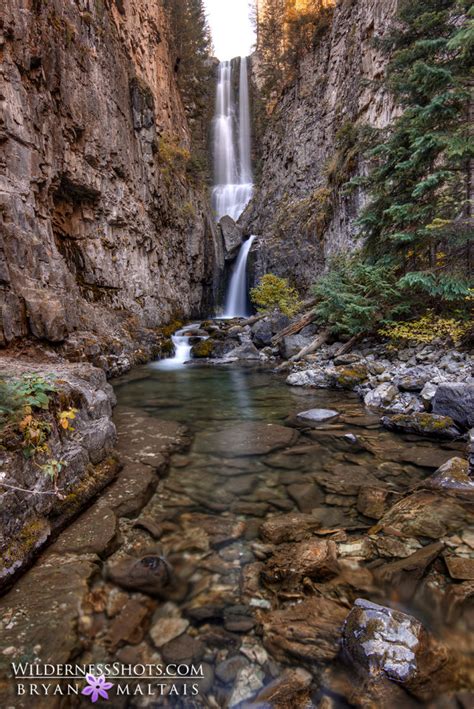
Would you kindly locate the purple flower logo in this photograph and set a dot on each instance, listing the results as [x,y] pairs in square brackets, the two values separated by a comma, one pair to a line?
[97,687]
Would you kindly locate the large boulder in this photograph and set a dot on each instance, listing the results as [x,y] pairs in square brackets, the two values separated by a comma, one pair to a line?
[382,396]
[231,236]
[423,424]
[457,401]
[389,644]
[292,344]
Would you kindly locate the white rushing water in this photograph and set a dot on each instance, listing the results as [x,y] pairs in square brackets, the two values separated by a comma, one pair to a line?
[182,348]
[232,164]
[233,171]
[236,303]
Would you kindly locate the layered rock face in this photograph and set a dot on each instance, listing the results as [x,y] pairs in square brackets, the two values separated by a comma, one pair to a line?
[309,148]
[106,231]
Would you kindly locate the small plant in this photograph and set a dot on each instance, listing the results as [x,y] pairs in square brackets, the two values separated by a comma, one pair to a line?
[275,292]
[65,418]
[35,432]
[426,329]
[18,396]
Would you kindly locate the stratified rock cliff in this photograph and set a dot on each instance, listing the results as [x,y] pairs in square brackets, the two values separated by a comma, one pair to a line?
[309,148]
[105,228]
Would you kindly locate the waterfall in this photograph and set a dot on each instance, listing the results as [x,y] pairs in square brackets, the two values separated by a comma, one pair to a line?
[237,295]
[232,165]
[182,347]
[233,171]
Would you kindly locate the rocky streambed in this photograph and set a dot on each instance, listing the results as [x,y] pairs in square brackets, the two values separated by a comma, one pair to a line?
[298,560]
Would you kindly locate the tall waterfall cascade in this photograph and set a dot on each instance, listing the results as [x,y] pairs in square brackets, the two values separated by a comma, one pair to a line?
[233,171]
[232,164]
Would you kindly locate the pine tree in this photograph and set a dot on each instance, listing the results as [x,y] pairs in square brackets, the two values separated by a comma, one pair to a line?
[420,186]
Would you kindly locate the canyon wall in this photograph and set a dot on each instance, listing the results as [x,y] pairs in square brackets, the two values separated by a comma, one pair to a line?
[106,230]
[309,147]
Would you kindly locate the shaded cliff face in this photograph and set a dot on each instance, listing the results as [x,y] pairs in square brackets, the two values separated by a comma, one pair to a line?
[105,228]
[309,148]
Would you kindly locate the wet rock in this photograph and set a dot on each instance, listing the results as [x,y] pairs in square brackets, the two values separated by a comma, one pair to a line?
[292,527]
[386,642]
[167,629]
[382,396]
[291,689]
[231,235]
[219,530]
[238,620]
[245,439]
[291,563]
[247,683]
[228,670]
[425,514]
[423,424]
[414,564]
[150,574]
[306,495]
[95,532]
[309,630]
[183,649]
[371,501]
[130,625]
[345,479]
[253,509]
[317,416]
[203,348]
[131,490]
[452,476]
[460,568]
[457,401]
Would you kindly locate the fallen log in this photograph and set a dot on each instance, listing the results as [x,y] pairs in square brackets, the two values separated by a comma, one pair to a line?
[314,345]
[293,328]
[347,346]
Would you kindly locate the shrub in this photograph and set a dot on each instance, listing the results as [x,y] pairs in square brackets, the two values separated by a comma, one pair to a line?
[274,292]
[354,296]
[427,329]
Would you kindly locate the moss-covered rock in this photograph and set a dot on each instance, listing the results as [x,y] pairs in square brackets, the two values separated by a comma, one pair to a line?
[424,424]
[170,329]
[349,377]
[204,348]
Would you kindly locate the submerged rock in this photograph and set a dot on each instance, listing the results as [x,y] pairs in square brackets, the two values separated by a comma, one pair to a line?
[290,527]
[423,424]
[150,574]
[290,689]
[315,559]
[245,439]
[309,630]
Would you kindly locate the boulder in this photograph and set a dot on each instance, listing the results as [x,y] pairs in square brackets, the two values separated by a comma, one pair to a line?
[316,416]
[262,333]
[427,394]
[457,401]
[247,350]
[290,345]
[382,396]
[317,378]
[203,348]
[452,476]
[423,424]
[232,237]
[386,643]
[348,376]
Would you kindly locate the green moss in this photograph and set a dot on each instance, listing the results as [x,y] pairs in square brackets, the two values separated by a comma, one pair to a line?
[348,377]
[170,329]
[425,422]
[204,348]
[27,540]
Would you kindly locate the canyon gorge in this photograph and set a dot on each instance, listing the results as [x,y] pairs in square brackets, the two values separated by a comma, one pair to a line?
[217,451]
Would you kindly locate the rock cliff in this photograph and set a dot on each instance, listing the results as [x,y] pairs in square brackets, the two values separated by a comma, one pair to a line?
[309,148]
[105,227]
